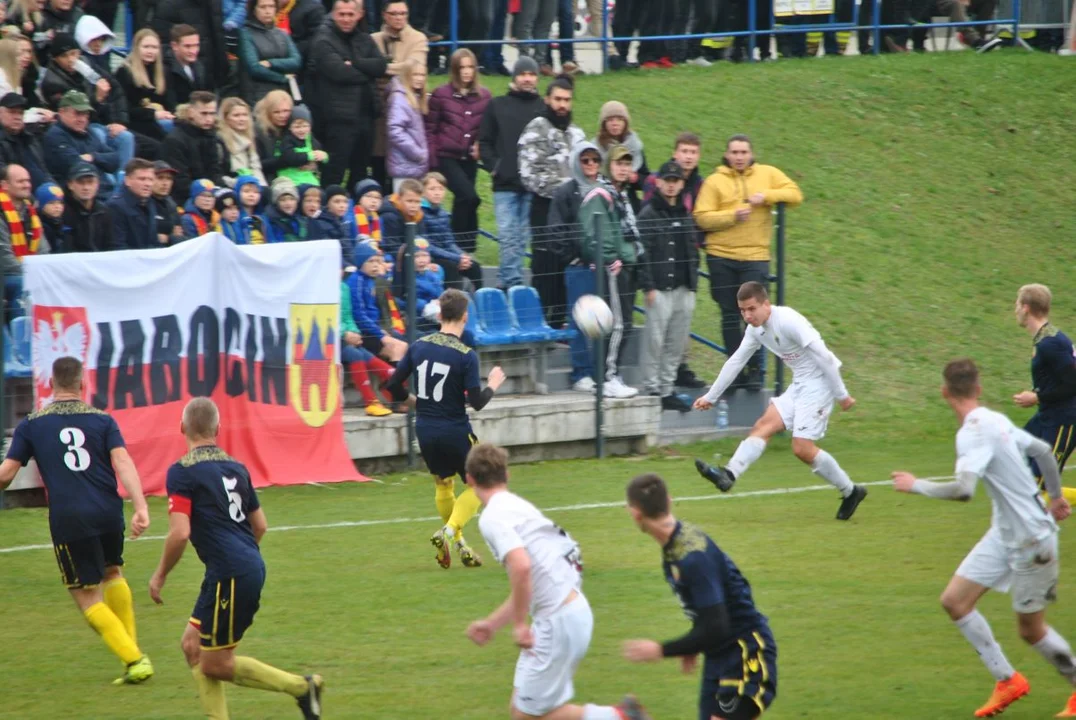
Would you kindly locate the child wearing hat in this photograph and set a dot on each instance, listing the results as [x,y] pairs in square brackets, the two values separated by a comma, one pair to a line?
[300,153]
[251,201]
[337,213]
[365,307]
[199,214]
[50,208]
[228,210]
[429,285]
[367,209]
[358,361]
[284,222]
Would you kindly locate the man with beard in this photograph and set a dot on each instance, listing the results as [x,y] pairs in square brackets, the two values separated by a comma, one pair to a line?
[498,144]
[544,151]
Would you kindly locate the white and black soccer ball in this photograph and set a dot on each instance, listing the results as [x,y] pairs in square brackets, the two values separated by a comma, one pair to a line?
[592,316]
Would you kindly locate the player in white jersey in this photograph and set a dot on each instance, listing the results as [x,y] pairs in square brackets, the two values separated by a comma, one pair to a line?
[545,572]
[1018,554]
[804,408]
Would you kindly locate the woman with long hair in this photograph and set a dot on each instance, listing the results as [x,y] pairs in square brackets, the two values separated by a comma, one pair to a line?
[452,123]
[142,78]
[236,132]
[10,71]
[271,116]
[407,156]
[614,128]
[30,72]
[267,55]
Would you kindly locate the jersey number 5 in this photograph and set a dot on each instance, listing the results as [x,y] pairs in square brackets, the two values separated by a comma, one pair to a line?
[235,500]
[76,458]
[440,372]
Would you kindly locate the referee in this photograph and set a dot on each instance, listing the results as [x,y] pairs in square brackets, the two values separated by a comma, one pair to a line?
[1053,377]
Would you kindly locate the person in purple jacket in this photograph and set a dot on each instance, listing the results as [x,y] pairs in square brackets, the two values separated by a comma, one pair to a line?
[408,154]
[452,123]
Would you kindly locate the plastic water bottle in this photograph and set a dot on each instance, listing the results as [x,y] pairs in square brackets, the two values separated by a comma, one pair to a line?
[722,414]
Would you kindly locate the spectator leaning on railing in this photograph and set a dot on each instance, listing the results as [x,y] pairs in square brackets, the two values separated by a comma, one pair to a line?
[734,207]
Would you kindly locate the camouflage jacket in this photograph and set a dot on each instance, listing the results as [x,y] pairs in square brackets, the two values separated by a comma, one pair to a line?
[544,153]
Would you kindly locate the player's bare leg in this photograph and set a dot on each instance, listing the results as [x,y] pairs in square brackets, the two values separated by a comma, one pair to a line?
[825,466]
[748,451]
[223,665]
[628,709]
[91,601]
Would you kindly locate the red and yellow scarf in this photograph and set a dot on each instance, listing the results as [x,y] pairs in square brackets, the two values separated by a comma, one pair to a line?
[203,224]
[368,225]
[19,245]
[283,17]
[394,313]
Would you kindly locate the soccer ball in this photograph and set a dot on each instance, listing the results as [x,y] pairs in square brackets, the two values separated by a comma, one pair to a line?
[593,316]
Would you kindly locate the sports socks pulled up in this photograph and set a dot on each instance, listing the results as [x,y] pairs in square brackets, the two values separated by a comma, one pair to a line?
[104,621]
[977,631]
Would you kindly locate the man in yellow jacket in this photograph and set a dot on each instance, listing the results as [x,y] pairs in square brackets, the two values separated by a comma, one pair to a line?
[734,210]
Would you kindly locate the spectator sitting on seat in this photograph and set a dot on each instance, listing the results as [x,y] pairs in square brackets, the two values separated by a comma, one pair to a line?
[169,226]
[443,247]
[323,224]
[133,210]
[335,220]
[397,211]
[199,213]
[236,133]
[192,148]
[142,80]
[20,232]
[185,72]
[111,118]
[284,222]
[50,209]
[356,359]
[365,307]
[300,152]
[368,201]
[87,219]
[271,115]
[227,209]
[614,128]
[429,284]
[69,142]
[58,17]
[249,193]
[18,146]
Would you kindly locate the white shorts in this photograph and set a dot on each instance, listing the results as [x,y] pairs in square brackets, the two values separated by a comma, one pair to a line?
[805,408]
[1029,573]
[544,673]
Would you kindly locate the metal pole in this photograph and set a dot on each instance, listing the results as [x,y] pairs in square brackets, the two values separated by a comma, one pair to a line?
[605,36]
[876,21]
[599,343]
[454,23]
[779,381]
[411,320]
[752,8]
[1017,40]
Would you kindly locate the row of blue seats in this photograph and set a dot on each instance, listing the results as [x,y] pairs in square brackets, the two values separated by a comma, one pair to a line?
[17,362]
[498,319]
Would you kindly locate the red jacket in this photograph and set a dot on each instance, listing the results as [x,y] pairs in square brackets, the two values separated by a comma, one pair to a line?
[452,122]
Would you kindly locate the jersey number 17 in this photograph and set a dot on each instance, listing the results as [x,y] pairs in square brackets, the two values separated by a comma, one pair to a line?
[439,373]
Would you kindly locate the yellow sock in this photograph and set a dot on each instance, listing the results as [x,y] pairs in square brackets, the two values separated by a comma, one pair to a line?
[1069,494]
[211,693]
[109,627]
[444,496]
[467,505]
[254,674]
[119,600]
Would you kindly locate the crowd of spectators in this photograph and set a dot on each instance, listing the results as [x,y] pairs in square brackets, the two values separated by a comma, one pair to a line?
[288,121]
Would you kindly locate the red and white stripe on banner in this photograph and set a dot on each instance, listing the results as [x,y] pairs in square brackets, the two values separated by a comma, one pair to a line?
[255,328]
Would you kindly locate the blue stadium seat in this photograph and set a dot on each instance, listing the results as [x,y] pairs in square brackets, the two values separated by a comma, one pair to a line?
[21,335]
[495,316]
[527,314]
[12,367]
[475,327]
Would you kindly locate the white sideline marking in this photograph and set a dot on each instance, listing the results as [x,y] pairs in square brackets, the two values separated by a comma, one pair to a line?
[562,508]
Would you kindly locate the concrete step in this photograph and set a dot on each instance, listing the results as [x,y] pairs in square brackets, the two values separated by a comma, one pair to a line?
[686,436]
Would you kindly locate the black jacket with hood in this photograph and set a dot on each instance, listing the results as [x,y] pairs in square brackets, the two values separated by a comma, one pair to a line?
[498,136]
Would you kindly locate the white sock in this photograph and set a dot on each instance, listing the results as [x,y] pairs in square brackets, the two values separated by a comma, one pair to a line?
[1057,652]
[600,712]
[977,631]
[825,465]
[749,450]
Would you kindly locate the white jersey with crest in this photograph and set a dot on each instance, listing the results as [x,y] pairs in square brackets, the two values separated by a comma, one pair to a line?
[510,522]
[787,334]
[990,447]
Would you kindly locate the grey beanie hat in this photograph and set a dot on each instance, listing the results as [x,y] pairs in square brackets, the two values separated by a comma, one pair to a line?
[525,63]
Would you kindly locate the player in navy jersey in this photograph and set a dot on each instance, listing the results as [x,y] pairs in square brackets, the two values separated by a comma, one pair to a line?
[739,676]
[80,453]
[212,503]
[1053,377]
[446,381]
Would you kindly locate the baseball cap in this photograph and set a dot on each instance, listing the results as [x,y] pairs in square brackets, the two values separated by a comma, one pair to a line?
[160,166]
[13,101]
[81,169]
[671,169]
[75,100]
[619,152]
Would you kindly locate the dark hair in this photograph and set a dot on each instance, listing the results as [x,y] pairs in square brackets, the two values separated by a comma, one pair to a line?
[961,378]
[251,5]
[752,291]
[181,31]
[67,374]
[393,2]
[136,164]
[487,465]
[687,138]
[648,494]
[453,305]
[739,137]
[561,82]
[202,97]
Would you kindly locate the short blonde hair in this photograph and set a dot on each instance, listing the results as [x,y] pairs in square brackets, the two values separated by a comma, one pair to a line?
[201,418]
[1037,298]
[434,176]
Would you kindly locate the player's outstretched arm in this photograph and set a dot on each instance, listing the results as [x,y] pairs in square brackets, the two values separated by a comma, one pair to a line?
[962,489]
[732,367]
[128,477]
[8,470]
[179,531]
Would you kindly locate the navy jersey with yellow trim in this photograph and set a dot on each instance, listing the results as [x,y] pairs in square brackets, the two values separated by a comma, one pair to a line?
[73,443]
[444,369]
[702,576]
[215,490]
[1053,374]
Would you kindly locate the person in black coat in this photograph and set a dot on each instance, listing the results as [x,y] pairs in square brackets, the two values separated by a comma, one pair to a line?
[133,210]
[185,71]
[193,148]
[58,16]
[87,221]
[344,63]
[206,17]
[142,79]
[18,146]
[305,19]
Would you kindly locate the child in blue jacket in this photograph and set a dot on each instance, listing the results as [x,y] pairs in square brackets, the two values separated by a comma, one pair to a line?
[364,305]
[443,247]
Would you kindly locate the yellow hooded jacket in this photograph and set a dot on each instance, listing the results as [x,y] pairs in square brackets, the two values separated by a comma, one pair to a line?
[725,191]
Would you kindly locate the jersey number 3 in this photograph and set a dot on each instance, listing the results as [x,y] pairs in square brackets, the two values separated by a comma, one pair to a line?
[438,372]
[235,500]
[76,458]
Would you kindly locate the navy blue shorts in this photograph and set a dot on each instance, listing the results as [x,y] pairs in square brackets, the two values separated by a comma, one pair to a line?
[226,607]
[82,562]
[1061,436]
[740,682]
[445,448]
